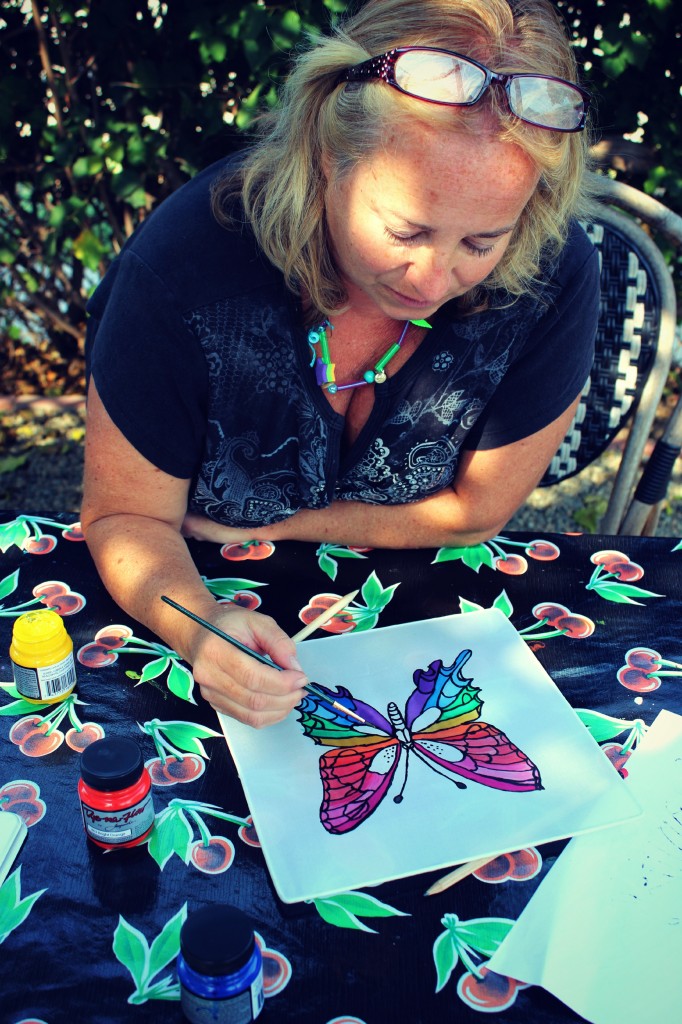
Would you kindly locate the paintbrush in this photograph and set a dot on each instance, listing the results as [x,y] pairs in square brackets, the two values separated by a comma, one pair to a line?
[259,657]
[457,875]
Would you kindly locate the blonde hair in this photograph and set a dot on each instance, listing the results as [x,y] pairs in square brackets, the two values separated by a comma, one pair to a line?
[281,181]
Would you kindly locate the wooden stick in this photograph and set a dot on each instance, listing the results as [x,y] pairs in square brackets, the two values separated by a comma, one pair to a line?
[254,654]
[457,875]
[326,615]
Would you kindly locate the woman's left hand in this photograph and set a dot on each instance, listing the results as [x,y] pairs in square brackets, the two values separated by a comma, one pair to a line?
[196,527]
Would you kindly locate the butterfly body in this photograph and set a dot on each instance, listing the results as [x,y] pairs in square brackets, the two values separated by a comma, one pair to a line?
[440,726]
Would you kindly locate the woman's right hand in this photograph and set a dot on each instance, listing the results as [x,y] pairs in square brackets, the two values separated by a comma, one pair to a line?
[240,686]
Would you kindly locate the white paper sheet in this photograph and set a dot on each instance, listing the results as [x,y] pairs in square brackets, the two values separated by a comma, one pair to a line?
[437,824]
[603,932]
[12,835]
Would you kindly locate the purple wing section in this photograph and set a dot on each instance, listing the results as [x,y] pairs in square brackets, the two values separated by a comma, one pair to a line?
[440,686]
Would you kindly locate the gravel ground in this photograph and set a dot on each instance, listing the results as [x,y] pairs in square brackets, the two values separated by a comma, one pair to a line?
[41,466]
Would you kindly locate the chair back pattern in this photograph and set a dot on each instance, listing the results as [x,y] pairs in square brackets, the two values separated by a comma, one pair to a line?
[627,336]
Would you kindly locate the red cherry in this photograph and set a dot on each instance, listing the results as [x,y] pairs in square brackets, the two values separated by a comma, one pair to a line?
[495,870]
[51,588]
[96,656]
[643,658]
[214,857]
[243,599]
[635,679]
[255,550]
[113,637]
[526,864]
[24,727]
[73,532]
[551,612]
[65,604]
[627,571]
[342,622]
[577,627]
[30,811]
[37,744]
[40,545]
[359,550]
[511,565]
[614,752]
[175,770]
[80,739]
[277,972]
[492,992]
[608,558]
[19,790]
[542,550]
[247,833]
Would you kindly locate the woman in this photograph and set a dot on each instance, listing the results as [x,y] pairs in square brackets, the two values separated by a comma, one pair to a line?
[372,328]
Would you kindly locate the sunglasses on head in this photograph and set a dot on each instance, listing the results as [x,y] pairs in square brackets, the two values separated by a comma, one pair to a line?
[442,76]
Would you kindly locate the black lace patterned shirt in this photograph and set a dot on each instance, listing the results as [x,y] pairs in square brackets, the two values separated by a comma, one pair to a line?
[201,359]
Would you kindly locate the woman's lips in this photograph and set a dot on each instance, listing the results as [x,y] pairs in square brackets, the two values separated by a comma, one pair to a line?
[405,300]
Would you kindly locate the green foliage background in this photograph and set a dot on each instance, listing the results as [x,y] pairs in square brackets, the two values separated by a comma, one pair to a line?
[106,106]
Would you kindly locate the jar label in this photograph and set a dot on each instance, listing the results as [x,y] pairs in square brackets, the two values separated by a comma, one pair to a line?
[45,683]
[119,826]
[238,1009]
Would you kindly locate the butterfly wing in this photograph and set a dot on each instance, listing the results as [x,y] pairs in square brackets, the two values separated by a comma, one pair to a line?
[451,740]
[481,753]
[357,773]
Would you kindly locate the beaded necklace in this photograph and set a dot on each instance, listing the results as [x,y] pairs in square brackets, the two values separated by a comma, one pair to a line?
[325,369]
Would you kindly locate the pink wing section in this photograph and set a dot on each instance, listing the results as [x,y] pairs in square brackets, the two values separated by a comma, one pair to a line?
[355,781]
[481,753]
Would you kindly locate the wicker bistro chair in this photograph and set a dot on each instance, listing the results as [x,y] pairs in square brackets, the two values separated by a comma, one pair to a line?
[634,350]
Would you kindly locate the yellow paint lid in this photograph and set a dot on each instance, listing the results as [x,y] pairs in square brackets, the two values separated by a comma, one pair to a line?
[39,638]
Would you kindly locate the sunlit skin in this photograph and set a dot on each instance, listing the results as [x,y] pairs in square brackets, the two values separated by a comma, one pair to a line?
[425,219]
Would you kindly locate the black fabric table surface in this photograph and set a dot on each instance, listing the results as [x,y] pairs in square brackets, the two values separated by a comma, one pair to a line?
[78,925]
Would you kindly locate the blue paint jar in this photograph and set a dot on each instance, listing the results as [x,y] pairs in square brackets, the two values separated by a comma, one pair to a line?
[220,967]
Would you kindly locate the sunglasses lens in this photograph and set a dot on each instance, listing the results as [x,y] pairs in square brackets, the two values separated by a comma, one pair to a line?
[439,77]
[546,102]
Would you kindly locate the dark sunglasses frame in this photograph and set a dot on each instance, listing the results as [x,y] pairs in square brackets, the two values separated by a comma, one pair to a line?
[383,67]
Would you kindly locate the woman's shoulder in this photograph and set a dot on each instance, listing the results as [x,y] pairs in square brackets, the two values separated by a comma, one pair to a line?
[183,245]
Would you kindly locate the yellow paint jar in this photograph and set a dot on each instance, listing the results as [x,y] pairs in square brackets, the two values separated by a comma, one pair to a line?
[42,657]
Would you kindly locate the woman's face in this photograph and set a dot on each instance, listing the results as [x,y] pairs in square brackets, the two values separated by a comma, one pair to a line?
[425,219]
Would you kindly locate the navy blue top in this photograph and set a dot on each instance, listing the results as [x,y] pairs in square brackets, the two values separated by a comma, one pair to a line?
[201,359]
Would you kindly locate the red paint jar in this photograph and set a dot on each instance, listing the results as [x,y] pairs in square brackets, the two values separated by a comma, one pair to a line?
[115,794]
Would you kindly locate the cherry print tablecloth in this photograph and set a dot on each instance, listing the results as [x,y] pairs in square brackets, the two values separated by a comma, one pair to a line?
[92,936]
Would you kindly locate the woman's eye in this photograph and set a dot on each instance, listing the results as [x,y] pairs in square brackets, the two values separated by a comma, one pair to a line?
[478,250]
[398,239]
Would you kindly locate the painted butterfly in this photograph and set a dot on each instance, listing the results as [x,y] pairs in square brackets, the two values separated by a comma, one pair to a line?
[440,726]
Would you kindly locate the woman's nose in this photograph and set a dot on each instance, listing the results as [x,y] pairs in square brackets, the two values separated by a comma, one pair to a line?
[431,273]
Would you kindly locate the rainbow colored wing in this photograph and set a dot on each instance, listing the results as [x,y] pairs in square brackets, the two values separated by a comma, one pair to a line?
[358,773]
[444,710]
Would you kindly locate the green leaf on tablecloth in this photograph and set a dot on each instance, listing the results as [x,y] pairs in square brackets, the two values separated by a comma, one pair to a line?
[181,682]
[504,604]
[171,834]
[187,735]
[484,934]
[328,565]
[365,622]
[603,727]
[132,950]
[10,689]
[473,556]
[154,668]
[229,586]
[374,595]
[364,905]
[333,913]
[13,909]
[9,584]
[622,593]
[15,532]
[445,957]
[22,707]
[469,606]
[166,945]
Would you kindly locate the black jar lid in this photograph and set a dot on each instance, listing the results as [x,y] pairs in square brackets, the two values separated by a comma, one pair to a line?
[111,764]
[217,940]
